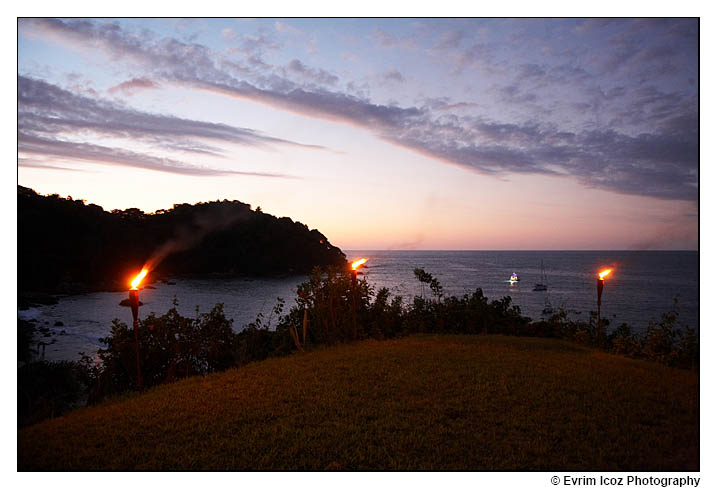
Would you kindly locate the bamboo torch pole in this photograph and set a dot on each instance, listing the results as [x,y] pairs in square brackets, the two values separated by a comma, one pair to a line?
[354,300]
[354,266]
[135,304]
[599,292]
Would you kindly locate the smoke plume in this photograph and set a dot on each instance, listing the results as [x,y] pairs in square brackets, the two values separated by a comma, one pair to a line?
[188,236]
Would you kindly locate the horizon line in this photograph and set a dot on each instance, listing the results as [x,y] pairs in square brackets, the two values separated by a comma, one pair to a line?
[511,250]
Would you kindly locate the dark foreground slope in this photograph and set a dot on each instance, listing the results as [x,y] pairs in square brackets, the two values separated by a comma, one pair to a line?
[65,245]
[424,402]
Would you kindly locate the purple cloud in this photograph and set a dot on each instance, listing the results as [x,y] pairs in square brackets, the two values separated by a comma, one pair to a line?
[660,161]
[322,77]
[450,40]
[285,28]
[49,117]
[29,163]
[48,109]
[386,40]
[131,87]
[48,147]
[394,76]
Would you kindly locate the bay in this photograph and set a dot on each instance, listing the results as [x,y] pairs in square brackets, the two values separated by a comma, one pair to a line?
[641,287]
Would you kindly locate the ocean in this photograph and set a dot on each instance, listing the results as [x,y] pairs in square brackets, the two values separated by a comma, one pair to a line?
[641,287]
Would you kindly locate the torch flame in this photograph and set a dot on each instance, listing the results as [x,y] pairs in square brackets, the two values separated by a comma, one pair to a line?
[603,274]
[137,280]
[357,263]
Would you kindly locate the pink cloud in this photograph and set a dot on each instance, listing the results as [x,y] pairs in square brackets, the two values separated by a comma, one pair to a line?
[131,87]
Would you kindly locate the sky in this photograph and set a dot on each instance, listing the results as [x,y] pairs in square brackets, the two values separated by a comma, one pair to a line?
[469,134]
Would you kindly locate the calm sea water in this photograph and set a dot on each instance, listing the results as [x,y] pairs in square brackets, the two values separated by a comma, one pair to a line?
[640,288]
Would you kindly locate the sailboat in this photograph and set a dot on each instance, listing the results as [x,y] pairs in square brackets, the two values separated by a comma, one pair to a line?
[541,286]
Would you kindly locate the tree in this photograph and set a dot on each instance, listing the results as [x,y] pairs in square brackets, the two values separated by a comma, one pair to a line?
[425,278]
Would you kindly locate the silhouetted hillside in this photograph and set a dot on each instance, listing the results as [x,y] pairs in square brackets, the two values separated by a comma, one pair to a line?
[65,245]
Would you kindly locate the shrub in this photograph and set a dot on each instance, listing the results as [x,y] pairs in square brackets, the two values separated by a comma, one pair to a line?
[331,299]
[669,342]
[174,347]
[623,341]
[171,347]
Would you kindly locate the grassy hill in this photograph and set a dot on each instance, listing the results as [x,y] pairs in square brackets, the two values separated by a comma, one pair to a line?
[423,402]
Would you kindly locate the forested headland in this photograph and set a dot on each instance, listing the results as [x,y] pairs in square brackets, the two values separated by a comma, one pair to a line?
[68,246]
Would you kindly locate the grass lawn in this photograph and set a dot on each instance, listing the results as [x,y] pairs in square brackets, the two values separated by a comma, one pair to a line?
[423,402]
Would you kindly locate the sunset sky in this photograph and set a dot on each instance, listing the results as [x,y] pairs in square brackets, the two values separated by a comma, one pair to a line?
[518,134]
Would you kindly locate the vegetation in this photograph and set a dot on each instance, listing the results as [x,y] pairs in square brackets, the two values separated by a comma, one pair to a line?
[67,246]
[48,389]
[175,347]
[488,401]
[45,389]
[426,402]
[667,341]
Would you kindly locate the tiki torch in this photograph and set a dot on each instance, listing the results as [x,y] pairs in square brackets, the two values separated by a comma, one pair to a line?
[135,305]
[355,265]
[599,292]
